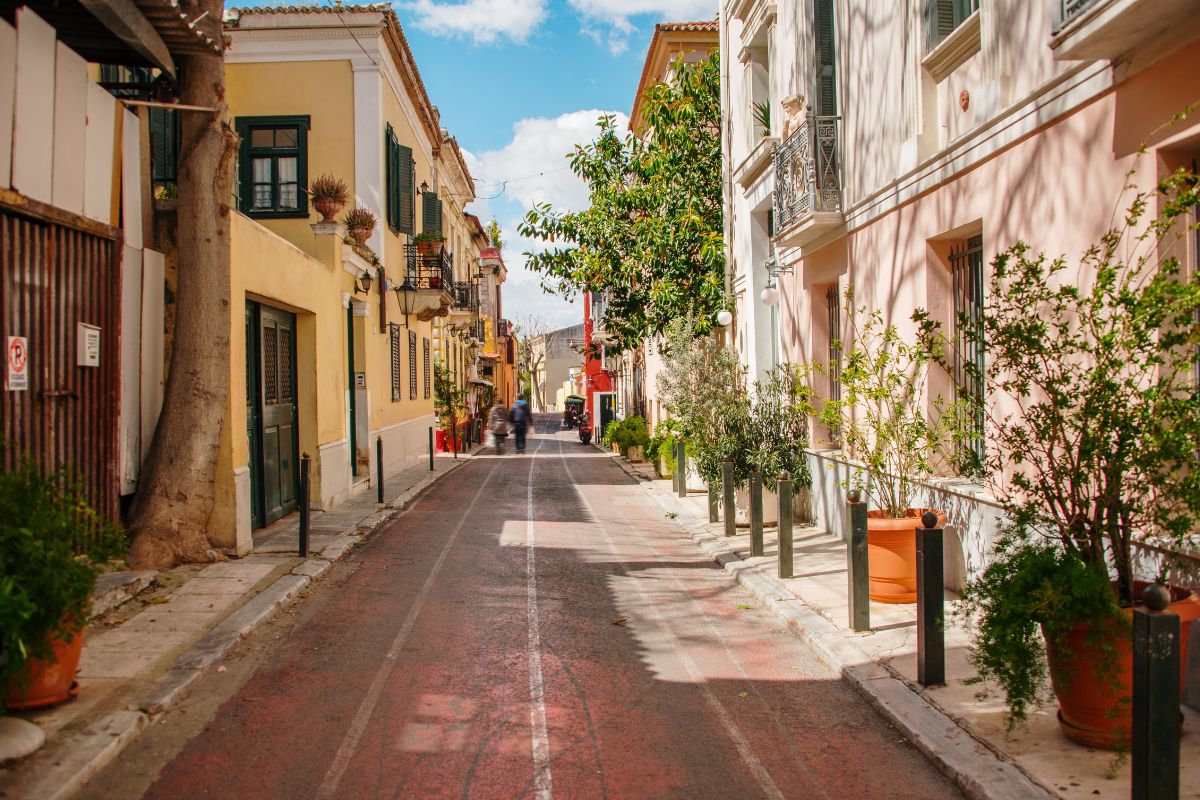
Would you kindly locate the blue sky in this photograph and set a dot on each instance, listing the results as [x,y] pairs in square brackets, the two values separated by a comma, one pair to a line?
[519,83]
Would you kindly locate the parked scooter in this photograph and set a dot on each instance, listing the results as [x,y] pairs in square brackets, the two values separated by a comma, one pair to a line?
[585,429]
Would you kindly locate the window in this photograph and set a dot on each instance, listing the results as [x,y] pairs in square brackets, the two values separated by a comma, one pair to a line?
[826,99]
[394,335]
[425,363]
[966,268]
[833,316]
[412,365]
[943,16]
[273,166]
[431,208]
[401,184]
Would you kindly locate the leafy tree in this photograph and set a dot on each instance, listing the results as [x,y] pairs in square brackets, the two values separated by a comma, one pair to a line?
[651,237]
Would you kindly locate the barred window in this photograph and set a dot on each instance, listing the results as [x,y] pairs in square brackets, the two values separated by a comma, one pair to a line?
[966,268]
[412,365]
[833,314]
[425,347]
[394,333]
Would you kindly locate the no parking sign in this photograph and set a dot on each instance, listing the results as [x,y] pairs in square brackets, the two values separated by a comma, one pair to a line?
[17,375]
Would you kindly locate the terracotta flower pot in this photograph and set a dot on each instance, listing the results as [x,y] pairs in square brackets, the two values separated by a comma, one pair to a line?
[327,208]
[48,683]
[892,555]
[1095,708]
[360,235]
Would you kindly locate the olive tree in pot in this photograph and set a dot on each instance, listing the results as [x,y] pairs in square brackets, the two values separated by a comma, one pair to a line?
[895,436]
[1093,423]
[779,417]
[52,546]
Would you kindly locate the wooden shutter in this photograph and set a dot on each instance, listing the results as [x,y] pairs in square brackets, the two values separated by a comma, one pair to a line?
[939,21]
[425,363]
[430,214]
[826,62]
[412,365]
[406,180]
[394,331]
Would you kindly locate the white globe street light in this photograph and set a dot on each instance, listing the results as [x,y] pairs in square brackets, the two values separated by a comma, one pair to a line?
[769,296]
[724,317]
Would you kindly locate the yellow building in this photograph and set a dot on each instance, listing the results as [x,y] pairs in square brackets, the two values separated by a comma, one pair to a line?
[335,350]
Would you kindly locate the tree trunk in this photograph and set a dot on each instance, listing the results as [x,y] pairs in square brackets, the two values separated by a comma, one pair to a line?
[176,492]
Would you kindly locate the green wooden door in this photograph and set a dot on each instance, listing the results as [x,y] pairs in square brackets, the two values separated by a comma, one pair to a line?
[275,427]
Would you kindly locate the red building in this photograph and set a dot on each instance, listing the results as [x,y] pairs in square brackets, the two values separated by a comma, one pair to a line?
[598,388]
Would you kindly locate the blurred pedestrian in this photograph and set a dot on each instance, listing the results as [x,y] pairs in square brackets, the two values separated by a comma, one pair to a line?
[498,424]
[520,419]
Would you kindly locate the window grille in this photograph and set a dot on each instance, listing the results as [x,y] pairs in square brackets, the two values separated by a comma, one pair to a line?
[425,363]
[966,268]
[833,316]
[394,335]
[412,365]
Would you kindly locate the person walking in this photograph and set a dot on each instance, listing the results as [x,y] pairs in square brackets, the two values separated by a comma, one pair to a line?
[498,424]
[520,419]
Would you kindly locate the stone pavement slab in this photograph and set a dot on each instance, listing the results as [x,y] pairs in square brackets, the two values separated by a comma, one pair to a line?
[960,725]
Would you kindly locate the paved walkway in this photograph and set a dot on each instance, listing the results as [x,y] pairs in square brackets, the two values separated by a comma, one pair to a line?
[816,606]
[142,657]
[533,626]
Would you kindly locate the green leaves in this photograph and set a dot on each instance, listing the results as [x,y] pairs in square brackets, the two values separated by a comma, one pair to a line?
[651,236]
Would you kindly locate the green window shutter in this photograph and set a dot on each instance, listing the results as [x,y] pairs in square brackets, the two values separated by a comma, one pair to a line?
[406,189]
[392,200]
[431,215]
[826,60]
[943,16]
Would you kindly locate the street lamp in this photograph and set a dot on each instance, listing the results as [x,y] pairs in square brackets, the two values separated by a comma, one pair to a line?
[770,295]
[424,187]
[363,282]
[724,317]
[406,294]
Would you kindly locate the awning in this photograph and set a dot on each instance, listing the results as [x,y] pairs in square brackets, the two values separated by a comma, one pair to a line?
[490,356]
[478,382]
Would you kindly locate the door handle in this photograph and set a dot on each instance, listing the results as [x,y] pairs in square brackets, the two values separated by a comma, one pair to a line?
[62,391]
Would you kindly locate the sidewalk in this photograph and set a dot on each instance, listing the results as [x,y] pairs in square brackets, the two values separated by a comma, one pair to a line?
[141,657]
[957,726]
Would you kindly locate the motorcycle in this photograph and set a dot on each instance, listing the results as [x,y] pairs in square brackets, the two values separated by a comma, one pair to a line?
[585,429]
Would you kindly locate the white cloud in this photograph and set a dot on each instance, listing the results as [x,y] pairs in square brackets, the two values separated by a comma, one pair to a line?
[533,168]
[614,16]
[481,21]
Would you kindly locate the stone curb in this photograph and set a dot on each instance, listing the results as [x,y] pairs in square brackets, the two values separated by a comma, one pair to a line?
[88,752]
[977,770]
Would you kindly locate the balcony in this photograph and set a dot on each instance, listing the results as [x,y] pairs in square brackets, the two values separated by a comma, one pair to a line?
[808,191]
[1111,29]
[465,306]
[432,274]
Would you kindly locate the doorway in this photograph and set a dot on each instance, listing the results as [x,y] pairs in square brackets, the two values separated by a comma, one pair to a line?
[271,411]
[607,411]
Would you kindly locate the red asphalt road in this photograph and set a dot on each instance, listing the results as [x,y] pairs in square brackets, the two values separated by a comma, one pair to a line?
[414,671]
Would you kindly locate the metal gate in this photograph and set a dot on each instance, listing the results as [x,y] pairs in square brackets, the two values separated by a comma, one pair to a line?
[58,274]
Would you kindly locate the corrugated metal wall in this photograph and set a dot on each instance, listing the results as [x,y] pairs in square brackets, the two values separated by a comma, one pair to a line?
[52,277]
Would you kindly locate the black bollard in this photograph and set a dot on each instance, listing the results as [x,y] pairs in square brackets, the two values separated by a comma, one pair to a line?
[379,463]
[681,465]
[727,488]
[931,604]
[1155,753]
[856,564]
[784,490]
[431,449]
[756,511]
[305,462]
[454,439]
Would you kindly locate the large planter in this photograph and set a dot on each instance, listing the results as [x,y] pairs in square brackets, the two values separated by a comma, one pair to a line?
[770,506]
[892,555]
[1094,707]
[48,683]
[327,208]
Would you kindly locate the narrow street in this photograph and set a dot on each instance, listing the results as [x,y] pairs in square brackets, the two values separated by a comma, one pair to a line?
[533,626]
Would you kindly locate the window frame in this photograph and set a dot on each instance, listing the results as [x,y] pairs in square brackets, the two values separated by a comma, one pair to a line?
[245,126]
[967,294]
[956,13]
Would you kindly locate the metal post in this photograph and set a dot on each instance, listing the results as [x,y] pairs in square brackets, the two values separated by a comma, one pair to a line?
[856,564]
[454,438]
[756,511]
[681,465]
[431,448]
[714,505]
[379,463]
[1155,756]
[784,491]
[305,463]
[931,604]
[727,499]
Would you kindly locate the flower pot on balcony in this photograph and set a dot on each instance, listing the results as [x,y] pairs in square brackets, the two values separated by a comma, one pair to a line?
[430,247]
[892,554]
[360,235]
[327,208]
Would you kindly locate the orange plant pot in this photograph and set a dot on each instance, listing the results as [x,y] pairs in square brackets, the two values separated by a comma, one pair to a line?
[48,683]
[1096,709]
[892,555]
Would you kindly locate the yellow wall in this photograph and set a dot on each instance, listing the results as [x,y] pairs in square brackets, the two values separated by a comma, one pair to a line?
[323,90]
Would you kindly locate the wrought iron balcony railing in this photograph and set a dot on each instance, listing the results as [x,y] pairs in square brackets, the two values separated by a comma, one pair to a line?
[430,270]
[466,296]
[807,172]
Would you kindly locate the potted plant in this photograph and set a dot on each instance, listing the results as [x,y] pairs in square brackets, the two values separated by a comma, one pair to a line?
[779,417]
[429,243]
[893,441]
[449,401]
[1093,423]
[329,195]
[52,546]
[360,222]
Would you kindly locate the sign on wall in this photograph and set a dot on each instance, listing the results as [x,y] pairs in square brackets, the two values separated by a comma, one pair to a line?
[16,376]
[87,345]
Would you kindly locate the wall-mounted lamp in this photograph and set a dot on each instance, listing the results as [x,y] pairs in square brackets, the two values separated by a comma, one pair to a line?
[406,294]
[769,296]
[724,317]
[424,187]
[362,284]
